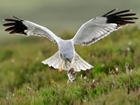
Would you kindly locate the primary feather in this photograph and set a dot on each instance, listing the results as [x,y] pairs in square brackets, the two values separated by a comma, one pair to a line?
[99,27]
[28,28]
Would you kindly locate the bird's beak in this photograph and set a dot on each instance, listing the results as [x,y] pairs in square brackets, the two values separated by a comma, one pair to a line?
[69,60]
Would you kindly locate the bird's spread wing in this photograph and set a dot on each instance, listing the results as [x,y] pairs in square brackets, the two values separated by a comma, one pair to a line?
[99,27]
[28,28]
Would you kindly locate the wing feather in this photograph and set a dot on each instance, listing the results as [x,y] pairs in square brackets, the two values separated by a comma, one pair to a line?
[99,27]
[28,28]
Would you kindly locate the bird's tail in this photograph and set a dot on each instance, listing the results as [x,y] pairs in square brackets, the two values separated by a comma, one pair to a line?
[55,61]
[81,64]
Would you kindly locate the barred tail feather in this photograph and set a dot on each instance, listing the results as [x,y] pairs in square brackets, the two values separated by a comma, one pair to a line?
[53,61]
[80,64]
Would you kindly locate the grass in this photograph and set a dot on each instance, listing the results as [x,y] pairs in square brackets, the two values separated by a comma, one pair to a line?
[114,80]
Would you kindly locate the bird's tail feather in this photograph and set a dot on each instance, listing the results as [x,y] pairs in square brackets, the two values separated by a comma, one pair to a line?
[81,64]
[55,61]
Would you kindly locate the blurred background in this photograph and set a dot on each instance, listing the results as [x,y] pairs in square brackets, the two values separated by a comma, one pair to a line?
[60,15]
[25,81]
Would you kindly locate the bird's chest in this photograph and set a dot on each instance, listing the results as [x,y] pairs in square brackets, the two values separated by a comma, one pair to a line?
[66,50]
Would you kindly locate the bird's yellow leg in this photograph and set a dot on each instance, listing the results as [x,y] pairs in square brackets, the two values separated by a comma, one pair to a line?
[60,67]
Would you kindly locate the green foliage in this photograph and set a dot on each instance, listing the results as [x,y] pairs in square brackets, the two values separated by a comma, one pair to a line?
[5,55]
[114,80]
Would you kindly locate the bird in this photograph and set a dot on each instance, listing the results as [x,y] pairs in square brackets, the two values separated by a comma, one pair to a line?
[66,58]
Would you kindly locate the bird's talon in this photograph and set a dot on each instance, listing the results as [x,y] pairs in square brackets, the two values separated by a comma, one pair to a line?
[60,69]
[74,71]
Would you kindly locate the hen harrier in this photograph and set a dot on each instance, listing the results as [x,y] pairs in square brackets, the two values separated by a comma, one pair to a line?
[66,57]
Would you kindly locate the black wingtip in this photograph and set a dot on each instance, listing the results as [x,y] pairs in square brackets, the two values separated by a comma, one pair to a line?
[121,18]
[16,17]
[109,12]
[12,20]
[15,25]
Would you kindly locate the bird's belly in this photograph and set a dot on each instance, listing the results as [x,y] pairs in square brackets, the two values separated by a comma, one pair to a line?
[66,49]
